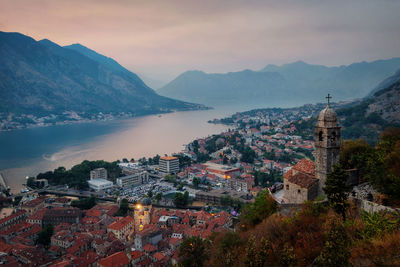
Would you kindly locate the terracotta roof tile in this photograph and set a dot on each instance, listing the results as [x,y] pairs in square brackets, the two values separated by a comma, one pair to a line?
[116,259]
[303,180]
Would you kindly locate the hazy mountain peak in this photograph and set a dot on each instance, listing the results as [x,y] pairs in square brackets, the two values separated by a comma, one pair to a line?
[289,84]
[48,43]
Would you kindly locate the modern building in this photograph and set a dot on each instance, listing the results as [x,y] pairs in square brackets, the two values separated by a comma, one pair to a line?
[236,184]
[214,196]
[222,171]
[137,178]
[100,184]
[169,165]
[99,173]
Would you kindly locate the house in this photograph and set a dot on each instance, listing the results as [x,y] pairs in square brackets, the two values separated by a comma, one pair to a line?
[12,219]
[122,228]
[33,205]
[149,235]
[59,215]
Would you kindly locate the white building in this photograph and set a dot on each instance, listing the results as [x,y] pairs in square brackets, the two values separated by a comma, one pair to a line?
[100,184]
[138,178]
[99,173]
[169,165]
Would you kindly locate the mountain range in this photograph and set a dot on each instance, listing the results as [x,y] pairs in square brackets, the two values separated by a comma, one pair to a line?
[41,78]
[291,84]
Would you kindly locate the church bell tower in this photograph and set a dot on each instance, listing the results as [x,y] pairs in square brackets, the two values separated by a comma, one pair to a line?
[327,144]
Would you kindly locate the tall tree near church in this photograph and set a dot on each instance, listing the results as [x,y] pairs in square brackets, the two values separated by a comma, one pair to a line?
[336,190]
[194,251]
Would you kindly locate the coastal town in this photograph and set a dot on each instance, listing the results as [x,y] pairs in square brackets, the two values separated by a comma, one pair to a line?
[139,212]
[21,121]
[216,174]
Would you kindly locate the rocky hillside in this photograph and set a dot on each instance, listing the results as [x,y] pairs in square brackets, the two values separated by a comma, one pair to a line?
[281,86]
[386,103]
[372,115]
[41,77]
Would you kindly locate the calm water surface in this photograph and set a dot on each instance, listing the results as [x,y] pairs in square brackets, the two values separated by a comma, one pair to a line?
[30,151]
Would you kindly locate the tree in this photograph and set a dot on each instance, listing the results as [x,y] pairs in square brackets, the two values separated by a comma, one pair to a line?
[150,194]
[233,160]
[181,200]
[336,190]
[44,236]
[158,197]
[263,206]
[84,203]
[196,182]
[31,182]
[123,208]
[383,166]
[225,248]
[170,178]
[336,251]
[194,251]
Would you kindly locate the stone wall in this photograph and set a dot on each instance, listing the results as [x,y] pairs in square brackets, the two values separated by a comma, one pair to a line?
[372,207]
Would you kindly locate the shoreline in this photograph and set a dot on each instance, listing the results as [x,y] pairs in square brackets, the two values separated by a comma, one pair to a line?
[86,120]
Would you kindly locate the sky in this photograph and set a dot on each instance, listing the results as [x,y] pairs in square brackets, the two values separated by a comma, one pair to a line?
[160,39]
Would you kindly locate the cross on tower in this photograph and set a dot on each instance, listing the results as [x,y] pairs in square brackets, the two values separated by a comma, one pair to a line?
[328,97]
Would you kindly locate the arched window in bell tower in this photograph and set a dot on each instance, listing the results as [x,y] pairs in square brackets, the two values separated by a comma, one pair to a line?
[320,137]
[333,136]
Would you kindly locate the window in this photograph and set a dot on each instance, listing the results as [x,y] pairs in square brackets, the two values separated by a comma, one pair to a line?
[333,138]
[320,137]
[287,187]
[298,191]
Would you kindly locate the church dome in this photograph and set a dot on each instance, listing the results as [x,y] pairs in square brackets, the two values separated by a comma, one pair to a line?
[327,117]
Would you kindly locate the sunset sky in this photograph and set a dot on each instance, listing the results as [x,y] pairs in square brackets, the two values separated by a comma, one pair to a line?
[161,39]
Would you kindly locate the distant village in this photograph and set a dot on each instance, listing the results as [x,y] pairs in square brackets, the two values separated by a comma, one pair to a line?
[10,122]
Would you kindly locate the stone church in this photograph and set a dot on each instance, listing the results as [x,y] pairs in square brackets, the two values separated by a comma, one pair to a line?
[305,180]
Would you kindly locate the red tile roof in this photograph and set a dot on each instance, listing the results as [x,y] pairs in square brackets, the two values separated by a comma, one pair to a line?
[120,224]
[174,241]
[305,166]
[149,248]
[303,180]
[136,254]
[37,215]
[168,158]
[12,216]
[34,202]
[158,256]
[114,260]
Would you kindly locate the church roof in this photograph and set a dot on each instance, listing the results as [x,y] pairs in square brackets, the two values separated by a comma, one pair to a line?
[327,117]
[304,165]
[303,180]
